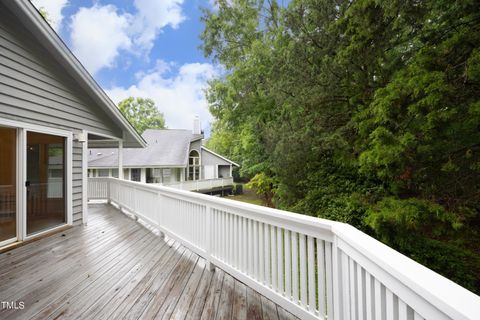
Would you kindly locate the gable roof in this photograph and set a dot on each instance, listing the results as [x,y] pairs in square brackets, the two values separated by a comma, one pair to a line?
[165,148]
[29,16]
[219,156]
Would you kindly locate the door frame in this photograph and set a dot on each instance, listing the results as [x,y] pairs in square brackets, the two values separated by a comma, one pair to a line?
[21,168]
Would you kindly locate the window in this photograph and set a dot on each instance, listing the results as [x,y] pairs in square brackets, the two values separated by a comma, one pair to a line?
[115,173]
[156,172]
[166,175]
[103,173]
[136,174]
[194,165]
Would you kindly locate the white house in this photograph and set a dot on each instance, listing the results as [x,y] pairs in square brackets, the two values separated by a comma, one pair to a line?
[172,157]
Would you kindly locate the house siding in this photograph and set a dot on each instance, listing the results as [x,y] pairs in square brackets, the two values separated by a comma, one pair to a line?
[35,89]
[211,159]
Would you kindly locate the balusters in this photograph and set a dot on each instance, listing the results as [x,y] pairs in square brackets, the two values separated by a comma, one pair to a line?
[303,271]
[261,253]
[288,264]
[273,258]
[280,259]
[321,277]
[311,274]
[268,279]
[295,276]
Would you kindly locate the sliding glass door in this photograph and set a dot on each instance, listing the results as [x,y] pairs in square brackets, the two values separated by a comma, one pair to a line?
[45,183]
[8,186]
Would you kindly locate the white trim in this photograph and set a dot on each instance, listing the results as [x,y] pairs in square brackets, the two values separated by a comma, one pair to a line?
[22,168]
[34,127]
[20,183]
[7,242]
[69,182]
[120,159]
[221,157]
[85,180]
[42,232]
[138,167]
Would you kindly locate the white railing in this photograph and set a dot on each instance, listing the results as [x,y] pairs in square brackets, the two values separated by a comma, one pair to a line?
[315,268]
[197,185]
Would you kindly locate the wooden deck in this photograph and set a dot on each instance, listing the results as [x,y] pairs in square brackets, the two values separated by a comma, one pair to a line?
[115,268]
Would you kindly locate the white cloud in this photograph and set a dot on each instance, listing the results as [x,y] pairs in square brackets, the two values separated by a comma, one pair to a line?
[179,97]
[98,35]
[54,11]
[152,17]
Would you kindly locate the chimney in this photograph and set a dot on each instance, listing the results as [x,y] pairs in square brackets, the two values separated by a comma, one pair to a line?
[196,126]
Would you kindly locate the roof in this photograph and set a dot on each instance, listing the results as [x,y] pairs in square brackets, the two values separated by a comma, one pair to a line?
[165,148]
[29,16]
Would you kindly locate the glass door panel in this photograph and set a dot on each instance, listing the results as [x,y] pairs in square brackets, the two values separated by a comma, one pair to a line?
[45,182]
[8,176]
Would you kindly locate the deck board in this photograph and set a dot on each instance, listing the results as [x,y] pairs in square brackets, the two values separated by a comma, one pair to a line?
[114,268]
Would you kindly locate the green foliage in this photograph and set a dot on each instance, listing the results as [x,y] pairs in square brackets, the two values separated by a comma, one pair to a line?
[142,114]
[264,186]
[365,112]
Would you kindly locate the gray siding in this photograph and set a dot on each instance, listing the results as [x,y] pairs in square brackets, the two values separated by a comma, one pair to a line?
[35,89]
[211,159]
[196,146]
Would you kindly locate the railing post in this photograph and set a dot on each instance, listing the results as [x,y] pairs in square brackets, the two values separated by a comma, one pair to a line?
[210,236]
[135,204]
[159,214]
[109,199]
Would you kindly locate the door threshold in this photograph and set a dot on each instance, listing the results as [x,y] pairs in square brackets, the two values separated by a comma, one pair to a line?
[33,238]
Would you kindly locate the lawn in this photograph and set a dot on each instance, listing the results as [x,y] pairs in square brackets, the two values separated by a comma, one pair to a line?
[248,196]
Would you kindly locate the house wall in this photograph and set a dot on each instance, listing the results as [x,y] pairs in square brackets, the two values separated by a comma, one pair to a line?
[211,159]
[34,89]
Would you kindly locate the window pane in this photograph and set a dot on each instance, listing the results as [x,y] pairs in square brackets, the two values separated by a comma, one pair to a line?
[46,202]
[8,171]
[135,175]
[103,172]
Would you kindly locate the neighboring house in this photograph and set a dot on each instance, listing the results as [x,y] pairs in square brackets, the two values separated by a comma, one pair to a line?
[49,108]
[171,157]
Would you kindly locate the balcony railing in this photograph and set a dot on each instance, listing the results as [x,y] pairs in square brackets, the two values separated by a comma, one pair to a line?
[197,185]
[315,268]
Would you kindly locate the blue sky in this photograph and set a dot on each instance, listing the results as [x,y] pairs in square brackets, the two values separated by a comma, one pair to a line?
[146,48]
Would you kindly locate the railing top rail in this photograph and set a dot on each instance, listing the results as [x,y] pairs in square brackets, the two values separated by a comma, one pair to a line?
[445,295]
[218,202]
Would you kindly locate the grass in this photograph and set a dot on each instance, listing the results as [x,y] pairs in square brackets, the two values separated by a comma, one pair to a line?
[248,196]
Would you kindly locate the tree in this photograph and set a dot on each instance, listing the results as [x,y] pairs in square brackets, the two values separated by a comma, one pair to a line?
[264,186]
[142,114]
[365,112]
